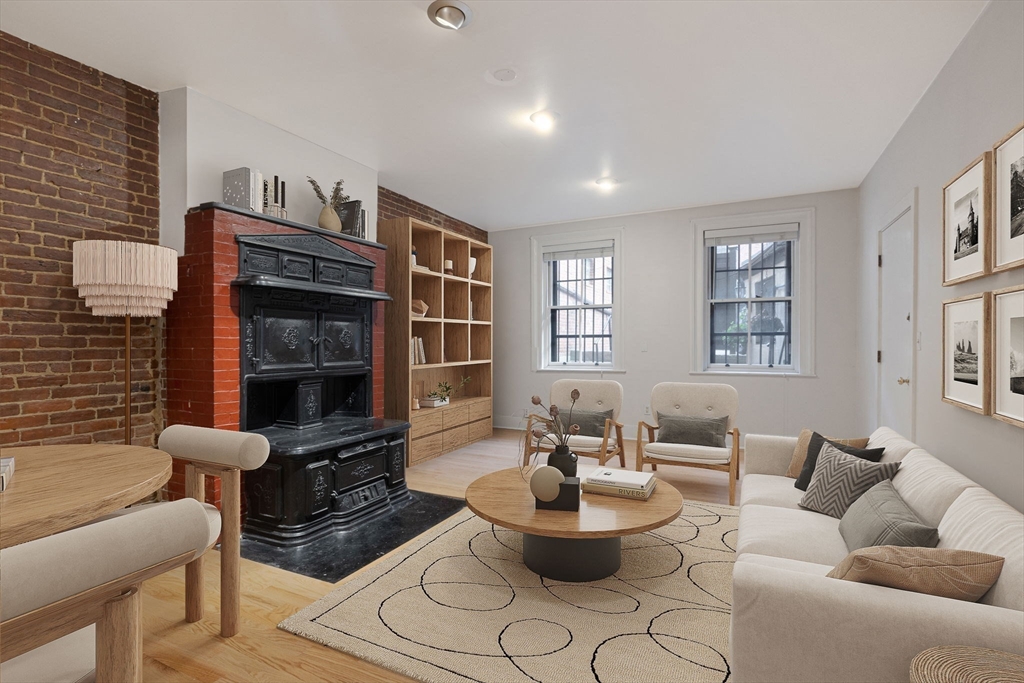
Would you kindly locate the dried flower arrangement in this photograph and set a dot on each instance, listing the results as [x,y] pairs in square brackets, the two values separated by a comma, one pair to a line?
[337,196]
[551,428]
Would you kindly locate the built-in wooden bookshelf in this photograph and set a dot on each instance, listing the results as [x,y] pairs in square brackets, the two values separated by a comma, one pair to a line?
[456,334]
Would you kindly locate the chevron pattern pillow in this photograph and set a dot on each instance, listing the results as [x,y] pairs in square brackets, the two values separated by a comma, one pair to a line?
[839,479]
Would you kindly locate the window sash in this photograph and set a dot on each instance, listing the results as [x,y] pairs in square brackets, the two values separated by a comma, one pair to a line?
[585,337]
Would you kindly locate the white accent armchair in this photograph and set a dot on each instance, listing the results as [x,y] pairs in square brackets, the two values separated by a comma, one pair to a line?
[597,395]
[692,400]
[71,601]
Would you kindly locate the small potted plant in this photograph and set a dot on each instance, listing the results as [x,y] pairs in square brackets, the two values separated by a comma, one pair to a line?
[556,431]
[329,218]
[442,394]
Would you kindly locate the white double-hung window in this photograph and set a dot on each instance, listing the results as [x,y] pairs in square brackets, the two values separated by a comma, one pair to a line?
[576,293]
[756,289]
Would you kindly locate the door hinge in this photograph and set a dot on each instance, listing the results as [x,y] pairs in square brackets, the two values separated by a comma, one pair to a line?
[879,260]
[879,356]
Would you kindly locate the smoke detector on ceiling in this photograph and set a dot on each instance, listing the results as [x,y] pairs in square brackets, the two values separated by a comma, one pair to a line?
[451,14]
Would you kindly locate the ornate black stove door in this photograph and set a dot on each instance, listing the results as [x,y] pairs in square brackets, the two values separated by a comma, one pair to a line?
[288,340]
[345,339]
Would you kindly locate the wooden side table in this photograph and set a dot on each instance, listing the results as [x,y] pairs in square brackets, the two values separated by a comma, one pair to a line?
[963,664]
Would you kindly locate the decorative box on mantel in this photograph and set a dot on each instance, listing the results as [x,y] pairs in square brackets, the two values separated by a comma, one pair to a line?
[278,328]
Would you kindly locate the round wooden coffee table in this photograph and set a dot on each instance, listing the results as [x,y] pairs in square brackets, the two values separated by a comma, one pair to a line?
[570,546]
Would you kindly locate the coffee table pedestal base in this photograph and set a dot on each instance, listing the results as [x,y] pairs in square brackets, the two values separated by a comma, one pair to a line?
[572,559]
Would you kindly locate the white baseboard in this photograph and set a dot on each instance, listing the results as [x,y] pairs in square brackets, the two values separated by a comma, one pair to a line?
[509,422]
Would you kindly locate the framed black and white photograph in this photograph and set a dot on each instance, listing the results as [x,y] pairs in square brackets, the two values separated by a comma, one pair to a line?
[1008,355]
[1008,201]
[966,223]
[965,352]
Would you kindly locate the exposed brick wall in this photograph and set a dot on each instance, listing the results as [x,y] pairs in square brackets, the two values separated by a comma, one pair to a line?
[203,356]
[78,160]
[393,205]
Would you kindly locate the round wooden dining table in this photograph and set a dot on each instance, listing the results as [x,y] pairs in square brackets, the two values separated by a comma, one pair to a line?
[55,488]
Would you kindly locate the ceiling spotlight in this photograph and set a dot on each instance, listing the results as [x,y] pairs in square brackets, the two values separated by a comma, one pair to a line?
[451,14]
[606,184]
[544,119]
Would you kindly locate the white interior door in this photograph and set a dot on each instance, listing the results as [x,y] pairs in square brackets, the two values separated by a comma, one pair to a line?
[896,324]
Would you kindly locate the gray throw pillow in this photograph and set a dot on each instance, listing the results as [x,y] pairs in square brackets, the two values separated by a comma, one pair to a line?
[840,479]
[695,431]
[881,517]
[591,422]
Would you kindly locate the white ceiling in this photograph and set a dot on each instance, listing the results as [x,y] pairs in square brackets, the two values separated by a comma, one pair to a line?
[686,103]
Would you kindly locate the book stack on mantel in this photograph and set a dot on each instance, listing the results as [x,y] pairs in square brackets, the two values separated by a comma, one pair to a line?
[6,472]
[620,483]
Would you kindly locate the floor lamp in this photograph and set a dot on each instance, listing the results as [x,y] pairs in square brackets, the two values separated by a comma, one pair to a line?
[129,279]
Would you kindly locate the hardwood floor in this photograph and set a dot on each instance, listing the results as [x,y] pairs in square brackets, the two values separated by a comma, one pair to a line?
[176,651]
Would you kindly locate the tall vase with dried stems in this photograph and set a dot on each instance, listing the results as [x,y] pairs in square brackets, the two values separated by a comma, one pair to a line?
[129,279]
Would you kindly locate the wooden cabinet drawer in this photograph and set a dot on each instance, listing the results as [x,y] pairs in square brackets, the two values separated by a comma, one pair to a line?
[454,438]
[424,448]
[480,430]
[454,416]
[425,421]
[479,410]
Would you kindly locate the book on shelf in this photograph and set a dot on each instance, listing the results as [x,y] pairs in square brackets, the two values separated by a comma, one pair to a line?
[6,472]
[412,351]
[622,478]
[620,491]
[421,350]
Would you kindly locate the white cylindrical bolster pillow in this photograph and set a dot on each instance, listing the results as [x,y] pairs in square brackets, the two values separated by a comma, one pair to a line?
[215,446]
[41,572]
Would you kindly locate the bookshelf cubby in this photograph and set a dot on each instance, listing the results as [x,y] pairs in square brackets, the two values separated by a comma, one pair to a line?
[454,344]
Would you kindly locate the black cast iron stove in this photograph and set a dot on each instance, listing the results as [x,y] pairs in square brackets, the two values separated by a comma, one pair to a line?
[306,308]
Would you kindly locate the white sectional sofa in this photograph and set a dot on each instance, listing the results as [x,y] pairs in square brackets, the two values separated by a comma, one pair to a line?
[790,622]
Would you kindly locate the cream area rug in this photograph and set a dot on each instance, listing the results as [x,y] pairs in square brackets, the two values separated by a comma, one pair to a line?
[458,604]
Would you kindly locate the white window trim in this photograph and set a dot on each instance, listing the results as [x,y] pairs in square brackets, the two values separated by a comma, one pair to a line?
[538,245]
[803,288]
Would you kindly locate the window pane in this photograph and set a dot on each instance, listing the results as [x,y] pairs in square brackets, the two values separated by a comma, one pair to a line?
[582,335]
[770,333]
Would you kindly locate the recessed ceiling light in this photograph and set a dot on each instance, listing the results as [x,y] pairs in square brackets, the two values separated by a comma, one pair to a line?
[544,119]
[452,14]
[606,184]
[504,75]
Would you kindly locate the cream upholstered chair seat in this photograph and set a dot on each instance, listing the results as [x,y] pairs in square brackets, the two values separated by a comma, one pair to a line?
[596,395]
[684,452]
[679,399]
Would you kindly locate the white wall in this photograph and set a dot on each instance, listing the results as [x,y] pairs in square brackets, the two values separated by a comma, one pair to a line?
[976,99]
[659,304]
[219,138]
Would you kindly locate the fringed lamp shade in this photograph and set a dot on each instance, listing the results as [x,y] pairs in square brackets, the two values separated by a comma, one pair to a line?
[129,279]
[125,278]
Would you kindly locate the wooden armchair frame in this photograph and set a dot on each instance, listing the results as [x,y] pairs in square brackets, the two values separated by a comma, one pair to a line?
[732,467]
[536,447]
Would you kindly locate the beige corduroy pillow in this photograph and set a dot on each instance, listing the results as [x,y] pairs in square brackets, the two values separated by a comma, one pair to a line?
[800,452]
[948,573]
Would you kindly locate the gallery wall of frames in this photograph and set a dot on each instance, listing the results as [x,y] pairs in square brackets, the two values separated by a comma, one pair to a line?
[983,333]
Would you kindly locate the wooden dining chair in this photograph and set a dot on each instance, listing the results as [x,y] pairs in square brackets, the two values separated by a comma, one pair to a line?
[678,399]
[596,395]
[224,454]
[71,601]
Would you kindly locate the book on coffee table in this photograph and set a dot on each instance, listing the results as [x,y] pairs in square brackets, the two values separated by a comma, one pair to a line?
[620,491]
[627,479]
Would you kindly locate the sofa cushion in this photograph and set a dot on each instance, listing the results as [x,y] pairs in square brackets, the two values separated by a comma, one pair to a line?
[955,574]
[786,563]
[794,534]
[880,517]
[896,447]
[840,479]
[928,485]
[770,489]
[978,520]
[578,442]
[684,452]
[803,442]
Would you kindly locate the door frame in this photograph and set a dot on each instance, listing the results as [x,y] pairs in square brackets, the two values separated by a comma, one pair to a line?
[908,204]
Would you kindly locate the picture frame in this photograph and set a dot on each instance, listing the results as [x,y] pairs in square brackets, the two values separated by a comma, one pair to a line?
[966,352]
[1008,201]
[967,223]
[1007,386]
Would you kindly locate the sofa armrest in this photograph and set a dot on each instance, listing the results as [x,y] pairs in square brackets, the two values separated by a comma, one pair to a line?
[765,454]
[795,626]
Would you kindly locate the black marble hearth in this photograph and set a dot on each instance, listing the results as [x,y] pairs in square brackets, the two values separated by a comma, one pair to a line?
[340,553]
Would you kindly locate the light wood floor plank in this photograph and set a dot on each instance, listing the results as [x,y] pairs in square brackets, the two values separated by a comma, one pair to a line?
[175,651]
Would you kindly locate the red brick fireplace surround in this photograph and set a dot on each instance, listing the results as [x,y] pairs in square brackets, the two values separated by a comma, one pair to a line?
[202,343]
